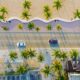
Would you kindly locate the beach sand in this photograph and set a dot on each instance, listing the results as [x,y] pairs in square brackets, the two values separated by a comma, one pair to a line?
[15,8]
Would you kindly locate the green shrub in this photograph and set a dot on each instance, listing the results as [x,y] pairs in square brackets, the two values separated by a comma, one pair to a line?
[37,29]
[20,26]
[5,28]
[31,25]
[49,27]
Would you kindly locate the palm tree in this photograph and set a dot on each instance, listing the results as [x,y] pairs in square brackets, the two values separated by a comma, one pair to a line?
[56,53]
[74,55]
[3,11]
[63,55]
[25,14]
[13,55]
[49,27]
[32,53]
[40,58]
[20,26]
[1,17]
[57,67]
[77,14]
[59,27]
[62,77]
[47,12]
[27,4]
[57,4]
[22,69]
[37,29]
[31,25]
[48,15]
[46,8]
[25,54]
[46,70]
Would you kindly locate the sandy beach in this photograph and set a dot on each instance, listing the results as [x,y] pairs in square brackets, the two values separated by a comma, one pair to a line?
[15,8]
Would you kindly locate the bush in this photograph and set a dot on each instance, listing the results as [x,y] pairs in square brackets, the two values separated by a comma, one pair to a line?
[5,28]
[30,25]
[20,26]
[49,27]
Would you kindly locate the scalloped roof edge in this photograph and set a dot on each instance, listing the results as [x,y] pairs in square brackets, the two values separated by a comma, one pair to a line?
[36,18]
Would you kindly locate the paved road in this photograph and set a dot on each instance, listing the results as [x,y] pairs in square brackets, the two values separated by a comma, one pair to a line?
[39,39]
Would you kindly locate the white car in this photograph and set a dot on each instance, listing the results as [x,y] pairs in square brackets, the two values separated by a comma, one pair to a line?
[21,44]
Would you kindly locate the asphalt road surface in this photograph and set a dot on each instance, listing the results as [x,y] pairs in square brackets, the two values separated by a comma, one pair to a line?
[9,40]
